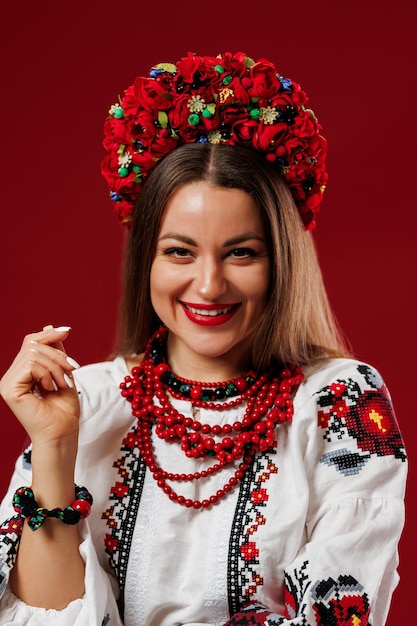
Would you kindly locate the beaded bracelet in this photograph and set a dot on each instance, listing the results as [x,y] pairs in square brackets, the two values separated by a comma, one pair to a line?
[25,504]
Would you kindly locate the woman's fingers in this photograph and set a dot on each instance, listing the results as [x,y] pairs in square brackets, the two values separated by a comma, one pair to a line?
[59,364]
[41,378]
[51,335]
[42,361]
[59,334]
[38,363]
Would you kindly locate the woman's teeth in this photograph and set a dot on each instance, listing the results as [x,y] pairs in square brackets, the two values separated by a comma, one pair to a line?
[209,312]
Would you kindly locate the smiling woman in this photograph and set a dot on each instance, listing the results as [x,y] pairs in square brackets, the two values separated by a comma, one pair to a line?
[210,294]
[238,455]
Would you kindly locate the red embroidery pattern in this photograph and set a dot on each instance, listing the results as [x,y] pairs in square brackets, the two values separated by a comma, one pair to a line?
[10,533]
[340,601]
[253,615]
[348,410]
[125,496]
[249,550]
[14,525]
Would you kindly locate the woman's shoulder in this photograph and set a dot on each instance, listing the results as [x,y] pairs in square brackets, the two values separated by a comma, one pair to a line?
[345,406]
[334,373]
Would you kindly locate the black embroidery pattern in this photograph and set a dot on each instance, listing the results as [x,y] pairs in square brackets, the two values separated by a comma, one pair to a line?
[334,602]
[340,601]
[243,578]
[233,558]
[296,585]
[10,533]
[254,614]
[121,516]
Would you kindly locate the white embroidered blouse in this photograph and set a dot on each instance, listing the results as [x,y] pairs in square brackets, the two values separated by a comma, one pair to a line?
[309,537]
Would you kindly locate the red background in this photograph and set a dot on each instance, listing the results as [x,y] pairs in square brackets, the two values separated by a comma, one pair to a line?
[64,64]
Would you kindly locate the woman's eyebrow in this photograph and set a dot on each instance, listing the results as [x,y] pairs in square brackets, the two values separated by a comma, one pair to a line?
[241,238]
[179,237]
[230,242]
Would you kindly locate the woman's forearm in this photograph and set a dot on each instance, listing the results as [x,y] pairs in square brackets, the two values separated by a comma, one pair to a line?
[49,571]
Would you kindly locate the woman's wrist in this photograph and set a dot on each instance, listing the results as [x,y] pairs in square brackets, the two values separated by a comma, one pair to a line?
[53,469]
[25,503]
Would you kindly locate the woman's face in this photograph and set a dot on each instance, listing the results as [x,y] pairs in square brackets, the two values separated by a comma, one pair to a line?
[210,277]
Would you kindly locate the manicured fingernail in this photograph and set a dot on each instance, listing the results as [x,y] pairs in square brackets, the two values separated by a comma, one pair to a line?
[36,393]
[68,381]
[62,329]
[73,362]
[54,385]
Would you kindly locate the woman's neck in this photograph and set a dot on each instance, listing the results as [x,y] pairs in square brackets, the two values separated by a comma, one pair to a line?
[193,366]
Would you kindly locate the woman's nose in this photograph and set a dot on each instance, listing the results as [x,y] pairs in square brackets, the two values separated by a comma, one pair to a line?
[211,282]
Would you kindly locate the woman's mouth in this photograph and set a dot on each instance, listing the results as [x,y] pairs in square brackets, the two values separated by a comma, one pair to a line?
[209,314]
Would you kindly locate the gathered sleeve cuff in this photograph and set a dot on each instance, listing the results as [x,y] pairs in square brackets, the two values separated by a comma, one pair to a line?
[98,606]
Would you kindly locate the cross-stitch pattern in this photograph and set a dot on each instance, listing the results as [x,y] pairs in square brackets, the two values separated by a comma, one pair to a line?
[364,414]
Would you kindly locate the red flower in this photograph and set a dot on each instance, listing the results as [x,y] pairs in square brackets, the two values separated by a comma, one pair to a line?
[131,441]
[116,133]
[373,423]
[272,467]
[120,490]
[190,65]
[244,130]
[323,418]
[110,543]
[260,495]
[249,551]
[265,80]
[271,137]
[14,525]
[240,93]
[340,601]
[352,610]
[233,113]
[124,211]
[146,93]
[180,112]
[337,389]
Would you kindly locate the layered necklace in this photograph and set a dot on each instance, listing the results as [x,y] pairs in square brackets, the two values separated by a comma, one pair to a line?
[268,401]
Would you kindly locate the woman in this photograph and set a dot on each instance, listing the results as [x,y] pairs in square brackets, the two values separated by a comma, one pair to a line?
[272,496]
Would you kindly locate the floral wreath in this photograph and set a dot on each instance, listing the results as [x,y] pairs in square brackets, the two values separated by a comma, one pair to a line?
[229,99]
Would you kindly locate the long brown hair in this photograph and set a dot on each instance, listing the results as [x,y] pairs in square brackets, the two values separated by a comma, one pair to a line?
[298,324]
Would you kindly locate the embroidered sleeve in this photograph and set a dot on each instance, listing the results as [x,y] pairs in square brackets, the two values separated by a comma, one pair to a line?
[359,412]
[355,464]
[11,524]
[98,606]
[254,614]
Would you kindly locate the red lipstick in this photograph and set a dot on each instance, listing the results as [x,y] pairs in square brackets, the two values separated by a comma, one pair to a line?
[209,314]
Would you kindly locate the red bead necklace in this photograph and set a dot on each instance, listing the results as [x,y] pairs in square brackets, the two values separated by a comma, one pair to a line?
[268,403]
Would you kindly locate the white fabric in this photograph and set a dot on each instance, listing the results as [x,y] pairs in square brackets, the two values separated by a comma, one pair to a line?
[338,523]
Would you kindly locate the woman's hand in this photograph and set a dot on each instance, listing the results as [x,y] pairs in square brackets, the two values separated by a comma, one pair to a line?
[39,388]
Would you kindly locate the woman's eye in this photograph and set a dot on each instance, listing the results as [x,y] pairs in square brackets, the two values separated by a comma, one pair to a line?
[241,253]
[179,253]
